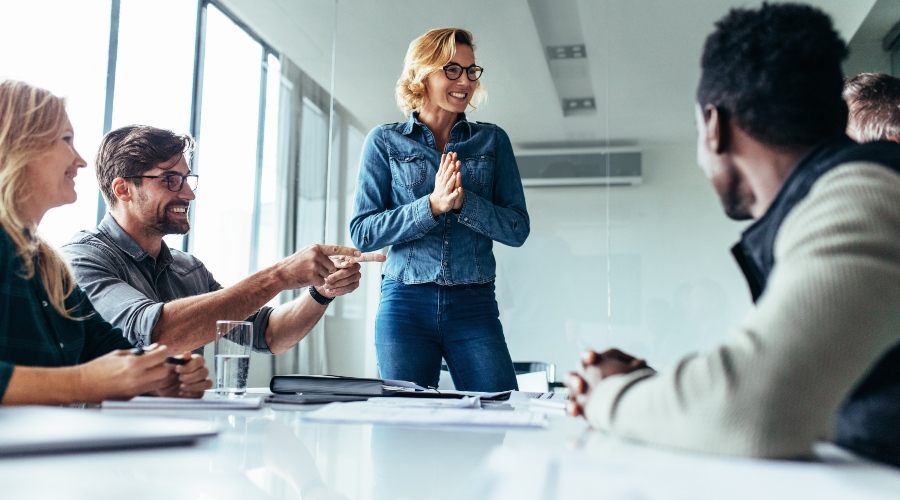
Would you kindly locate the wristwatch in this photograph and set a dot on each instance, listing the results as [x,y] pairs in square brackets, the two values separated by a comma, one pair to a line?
[318,297]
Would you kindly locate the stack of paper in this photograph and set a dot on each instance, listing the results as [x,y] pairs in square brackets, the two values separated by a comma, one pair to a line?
[390,414]
[152,403]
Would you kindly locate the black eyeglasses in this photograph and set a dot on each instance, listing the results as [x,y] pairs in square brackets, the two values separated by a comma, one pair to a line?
[173,181]
[455,70]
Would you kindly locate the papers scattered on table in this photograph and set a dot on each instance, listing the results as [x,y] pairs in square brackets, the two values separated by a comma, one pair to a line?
[465,402]
[551,406]
[366,412]
[152,403]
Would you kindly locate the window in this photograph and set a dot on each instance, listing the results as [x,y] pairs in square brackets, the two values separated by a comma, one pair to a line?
[72,66]
[155,68]
[226,155]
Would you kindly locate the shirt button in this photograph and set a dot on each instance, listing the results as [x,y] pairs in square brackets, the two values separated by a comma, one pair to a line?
[445,264]
[61,345]
[44,303]
[446,242]
[465,218]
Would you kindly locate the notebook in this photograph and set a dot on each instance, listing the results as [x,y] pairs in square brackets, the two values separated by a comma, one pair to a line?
[35,429]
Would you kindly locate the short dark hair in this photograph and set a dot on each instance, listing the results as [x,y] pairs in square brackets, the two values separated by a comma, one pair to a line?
[874,102]
[776,71]
[133,150]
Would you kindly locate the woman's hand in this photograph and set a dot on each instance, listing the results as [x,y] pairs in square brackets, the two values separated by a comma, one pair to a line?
[448,192]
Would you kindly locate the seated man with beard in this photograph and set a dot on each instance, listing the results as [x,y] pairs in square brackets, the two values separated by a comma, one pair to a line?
[157,294]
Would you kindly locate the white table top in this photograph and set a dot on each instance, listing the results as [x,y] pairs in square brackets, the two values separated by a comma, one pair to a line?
[273,453]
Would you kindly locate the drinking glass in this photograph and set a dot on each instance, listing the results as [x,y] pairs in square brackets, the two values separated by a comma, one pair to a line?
[233,342]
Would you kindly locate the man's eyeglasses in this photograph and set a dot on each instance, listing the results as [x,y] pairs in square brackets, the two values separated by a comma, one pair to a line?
[454,71]
[173,181]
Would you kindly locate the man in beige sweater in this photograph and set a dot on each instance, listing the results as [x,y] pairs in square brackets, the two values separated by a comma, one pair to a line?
[822,345]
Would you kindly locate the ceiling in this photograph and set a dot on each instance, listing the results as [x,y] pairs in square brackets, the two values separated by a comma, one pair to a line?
[643,59]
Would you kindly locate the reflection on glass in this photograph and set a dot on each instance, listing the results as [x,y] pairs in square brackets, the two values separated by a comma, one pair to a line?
[72,66]
[226,150]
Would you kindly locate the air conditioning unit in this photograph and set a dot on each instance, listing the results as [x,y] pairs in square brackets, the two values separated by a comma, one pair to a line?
[579,167]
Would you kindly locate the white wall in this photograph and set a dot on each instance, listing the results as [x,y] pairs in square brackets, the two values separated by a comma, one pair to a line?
[673,285]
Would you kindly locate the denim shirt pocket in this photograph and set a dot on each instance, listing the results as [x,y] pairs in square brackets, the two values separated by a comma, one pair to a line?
[408,171]
[480,171]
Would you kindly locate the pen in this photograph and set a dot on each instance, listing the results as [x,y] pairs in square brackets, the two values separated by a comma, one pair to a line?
[138,351]
[176,361]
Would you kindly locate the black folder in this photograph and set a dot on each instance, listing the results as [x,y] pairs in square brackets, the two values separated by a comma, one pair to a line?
[322,385]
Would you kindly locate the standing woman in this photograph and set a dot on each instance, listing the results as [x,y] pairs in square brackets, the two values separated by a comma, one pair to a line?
[439,190]
[54,348]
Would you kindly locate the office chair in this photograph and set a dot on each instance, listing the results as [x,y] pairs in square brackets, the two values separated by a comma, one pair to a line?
[523,367]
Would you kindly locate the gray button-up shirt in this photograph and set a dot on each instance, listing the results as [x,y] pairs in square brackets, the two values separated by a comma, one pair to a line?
[128,287]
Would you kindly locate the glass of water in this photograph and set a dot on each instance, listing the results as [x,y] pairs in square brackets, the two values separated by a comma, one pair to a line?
[233,342]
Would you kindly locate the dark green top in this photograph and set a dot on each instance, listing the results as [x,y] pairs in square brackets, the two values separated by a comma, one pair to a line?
[32,333]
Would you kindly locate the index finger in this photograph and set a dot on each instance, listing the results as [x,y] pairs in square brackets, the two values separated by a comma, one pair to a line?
[368,257]
[339,250]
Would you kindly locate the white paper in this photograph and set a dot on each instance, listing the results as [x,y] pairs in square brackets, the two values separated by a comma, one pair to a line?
[153,403]
[552,406]
[365,412]
[465,402]
[404,384]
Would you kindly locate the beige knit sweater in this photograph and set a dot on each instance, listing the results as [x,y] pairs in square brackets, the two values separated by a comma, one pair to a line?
[830,310]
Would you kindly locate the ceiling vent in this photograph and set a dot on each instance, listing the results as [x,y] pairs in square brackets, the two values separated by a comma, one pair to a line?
[579,167]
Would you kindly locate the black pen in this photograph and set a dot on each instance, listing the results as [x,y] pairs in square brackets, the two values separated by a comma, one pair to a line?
[138,351]
[176,361]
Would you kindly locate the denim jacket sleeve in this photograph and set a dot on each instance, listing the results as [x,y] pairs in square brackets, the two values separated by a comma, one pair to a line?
[377,222]
[505,218]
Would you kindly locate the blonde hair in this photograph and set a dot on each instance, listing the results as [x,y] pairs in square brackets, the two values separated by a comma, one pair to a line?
[427,54]
[31,120]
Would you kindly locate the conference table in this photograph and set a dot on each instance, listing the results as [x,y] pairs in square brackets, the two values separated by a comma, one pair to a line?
[276,453]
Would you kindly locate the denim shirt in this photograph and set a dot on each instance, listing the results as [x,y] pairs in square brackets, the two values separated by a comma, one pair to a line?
[397,173]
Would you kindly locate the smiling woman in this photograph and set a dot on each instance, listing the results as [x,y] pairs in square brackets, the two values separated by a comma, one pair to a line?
[440,190]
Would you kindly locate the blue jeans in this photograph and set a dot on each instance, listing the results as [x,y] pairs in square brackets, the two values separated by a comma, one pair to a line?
[417,325]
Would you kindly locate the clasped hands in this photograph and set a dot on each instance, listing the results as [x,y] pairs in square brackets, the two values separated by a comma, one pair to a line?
[448,193]
[594,368]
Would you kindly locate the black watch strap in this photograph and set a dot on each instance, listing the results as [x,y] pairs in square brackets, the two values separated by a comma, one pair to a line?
[318,297]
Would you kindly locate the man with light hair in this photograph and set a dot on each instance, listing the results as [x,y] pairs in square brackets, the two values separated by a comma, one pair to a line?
[874,102]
